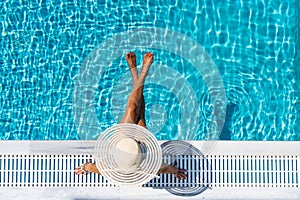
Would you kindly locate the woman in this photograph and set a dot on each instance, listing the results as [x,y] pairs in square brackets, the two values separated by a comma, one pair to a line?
[135,113]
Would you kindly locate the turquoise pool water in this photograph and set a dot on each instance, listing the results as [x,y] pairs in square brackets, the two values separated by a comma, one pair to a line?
[253,45]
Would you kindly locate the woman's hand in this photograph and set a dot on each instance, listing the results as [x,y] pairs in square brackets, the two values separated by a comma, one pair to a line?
[178,173]
[172,169]
[83,169]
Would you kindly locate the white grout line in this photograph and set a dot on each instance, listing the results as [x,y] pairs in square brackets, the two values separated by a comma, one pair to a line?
[5,171]
[294,172]
[232,168]
[297,170]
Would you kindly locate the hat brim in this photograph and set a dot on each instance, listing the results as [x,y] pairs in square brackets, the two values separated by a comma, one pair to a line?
[139,174]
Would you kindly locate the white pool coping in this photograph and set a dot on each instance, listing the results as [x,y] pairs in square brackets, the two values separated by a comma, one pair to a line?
[207,147]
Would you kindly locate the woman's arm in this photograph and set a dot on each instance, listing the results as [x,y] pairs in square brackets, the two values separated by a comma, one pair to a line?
[91,167]
[164,169]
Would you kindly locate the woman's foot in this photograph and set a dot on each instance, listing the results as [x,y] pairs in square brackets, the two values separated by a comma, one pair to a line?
[148,59]
[131,60]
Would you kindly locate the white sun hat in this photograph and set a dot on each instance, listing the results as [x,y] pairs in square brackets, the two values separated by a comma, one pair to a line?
[128,155]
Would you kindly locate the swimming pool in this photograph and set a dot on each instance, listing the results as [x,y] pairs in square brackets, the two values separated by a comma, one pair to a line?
[252,44]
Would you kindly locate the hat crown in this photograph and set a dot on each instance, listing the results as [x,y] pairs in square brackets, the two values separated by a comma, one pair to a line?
[126,153]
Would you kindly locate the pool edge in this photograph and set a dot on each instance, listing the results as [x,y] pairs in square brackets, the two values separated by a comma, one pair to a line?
[212,147]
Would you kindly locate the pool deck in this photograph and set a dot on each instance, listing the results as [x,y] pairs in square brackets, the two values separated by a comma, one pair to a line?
[145,193]
[207,147]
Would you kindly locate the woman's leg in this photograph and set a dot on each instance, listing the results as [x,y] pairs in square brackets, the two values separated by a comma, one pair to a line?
[135,110]
[141,119]
[131,60]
